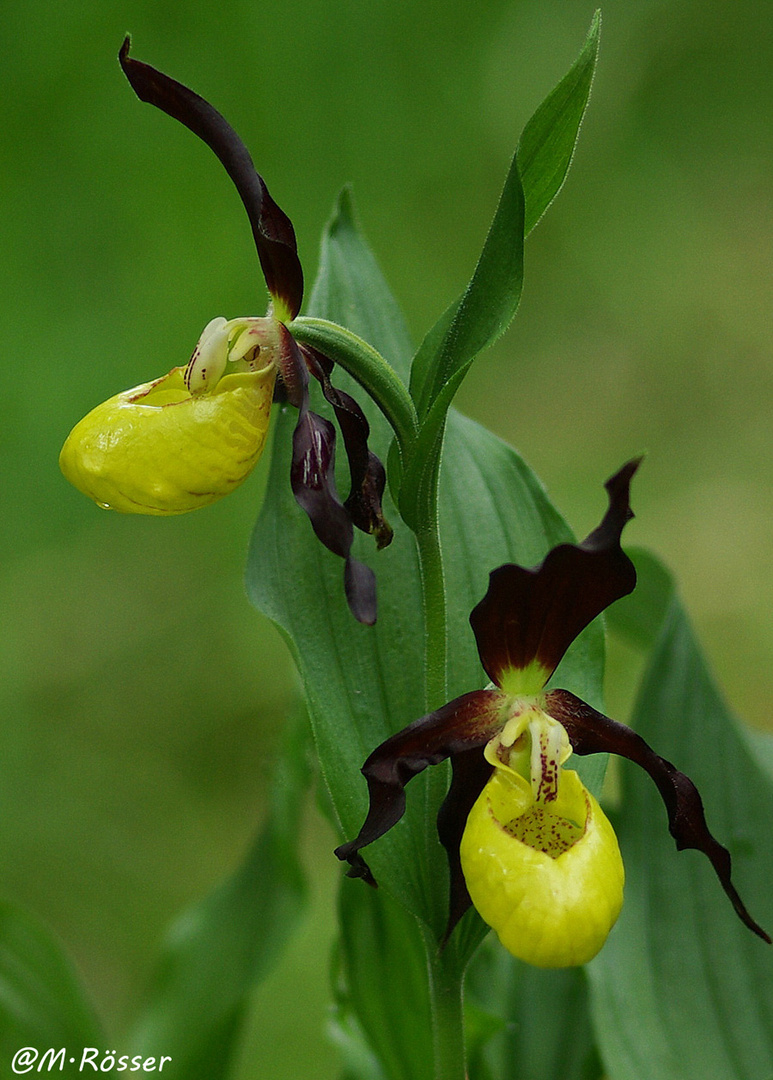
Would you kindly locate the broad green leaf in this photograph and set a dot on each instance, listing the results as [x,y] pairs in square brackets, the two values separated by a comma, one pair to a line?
[544,1029]
[682,989]
[362,684]
[42,1003]
[547,144]
[390,999]
[220,948]
[640,615]
[761,745]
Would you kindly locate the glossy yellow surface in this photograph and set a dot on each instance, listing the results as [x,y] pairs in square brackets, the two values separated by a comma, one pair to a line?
[157,449]
[547,876]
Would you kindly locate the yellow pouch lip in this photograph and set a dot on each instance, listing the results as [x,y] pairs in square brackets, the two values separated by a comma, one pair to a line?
[174,383]
[510,795]
[548,911]
[157,449]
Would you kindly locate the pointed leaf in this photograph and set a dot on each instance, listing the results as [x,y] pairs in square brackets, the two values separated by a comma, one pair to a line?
[547,144]
[486,307]
[348,271]
[483,311]
[680,962]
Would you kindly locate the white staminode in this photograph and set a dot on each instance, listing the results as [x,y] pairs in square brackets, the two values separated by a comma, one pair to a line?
[533,745]
[210,356]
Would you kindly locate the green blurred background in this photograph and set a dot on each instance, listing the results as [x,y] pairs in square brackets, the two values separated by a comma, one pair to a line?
[141,695]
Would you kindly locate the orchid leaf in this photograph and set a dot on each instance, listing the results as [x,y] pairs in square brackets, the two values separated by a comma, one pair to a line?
[527,1002]
[220,948]
[42,1003]
[364,683]
[486,307]
[390,1000]
[347,272]
[547,144]
[478,318]
[483,311]
[681,987]
[640,615]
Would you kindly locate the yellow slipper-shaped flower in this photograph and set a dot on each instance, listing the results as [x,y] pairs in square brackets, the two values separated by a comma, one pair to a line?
[158,449]
[548,877]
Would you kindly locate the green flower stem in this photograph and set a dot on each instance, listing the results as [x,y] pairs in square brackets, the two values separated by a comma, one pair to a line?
[368,367]
[388,391]
[434,602]
[446,1003]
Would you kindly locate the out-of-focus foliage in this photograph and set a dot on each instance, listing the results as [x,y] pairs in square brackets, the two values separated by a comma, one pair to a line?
[139,692]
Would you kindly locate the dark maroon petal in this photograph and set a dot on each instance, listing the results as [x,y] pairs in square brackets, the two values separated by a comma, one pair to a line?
[471,773]
[293,371]
[591,732]
[360,589]
[312,478]
[272,229]
[368,476]
[313,482]
[464,723]
[533,615]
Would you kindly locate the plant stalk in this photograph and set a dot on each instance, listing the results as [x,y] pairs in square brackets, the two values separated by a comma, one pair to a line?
[447,1008]
[434,604]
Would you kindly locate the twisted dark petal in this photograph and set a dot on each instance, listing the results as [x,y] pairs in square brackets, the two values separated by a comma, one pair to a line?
[312,478]
[591,732]
[368,476]
[313,481]
[470,775]
[463,724]
[272,229]
[533,615]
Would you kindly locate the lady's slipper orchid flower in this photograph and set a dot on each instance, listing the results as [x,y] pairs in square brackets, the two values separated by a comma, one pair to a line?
[527,844]
[186,439]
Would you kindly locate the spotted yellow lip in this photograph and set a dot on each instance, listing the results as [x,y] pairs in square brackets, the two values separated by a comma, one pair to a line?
[547,877]
[158,449]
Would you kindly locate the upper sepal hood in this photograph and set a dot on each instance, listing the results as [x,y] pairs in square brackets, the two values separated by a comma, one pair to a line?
[529,617]
[271,227]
